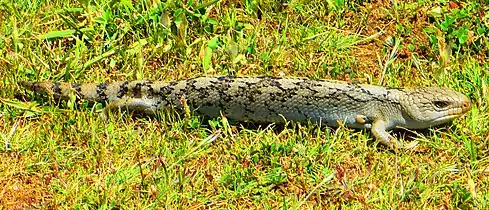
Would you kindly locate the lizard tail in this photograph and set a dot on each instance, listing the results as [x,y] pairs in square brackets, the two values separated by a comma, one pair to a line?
[63,90]
[38,87]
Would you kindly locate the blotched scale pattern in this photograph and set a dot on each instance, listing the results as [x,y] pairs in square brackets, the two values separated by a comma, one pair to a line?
[271,99]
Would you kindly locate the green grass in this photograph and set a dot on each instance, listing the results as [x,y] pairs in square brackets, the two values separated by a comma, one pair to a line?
[66,157]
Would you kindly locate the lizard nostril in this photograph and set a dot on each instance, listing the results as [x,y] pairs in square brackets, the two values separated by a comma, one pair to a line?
[465,105]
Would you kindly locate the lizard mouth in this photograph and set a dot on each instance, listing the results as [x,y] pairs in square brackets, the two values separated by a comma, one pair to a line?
[445,119]
[454,114]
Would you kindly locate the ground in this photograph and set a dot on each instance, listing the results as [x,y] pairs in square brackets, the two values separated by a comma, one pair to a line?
[64,156]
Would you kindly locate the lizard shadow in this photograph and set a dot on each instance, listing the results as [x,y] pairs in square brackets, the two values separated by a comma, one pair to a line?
[406,135]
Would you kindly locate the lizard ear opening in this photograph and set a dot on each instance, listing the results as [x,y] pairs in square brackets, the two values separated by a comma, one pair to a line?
[441,104]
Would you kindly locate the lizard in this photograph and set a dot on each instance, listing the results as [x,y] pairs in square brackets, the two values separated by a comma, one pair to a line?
[265,99]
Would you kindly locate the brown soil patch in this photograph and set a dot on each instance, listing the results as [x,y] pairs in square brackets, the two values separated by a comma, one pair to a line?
[380,17]
[20,189]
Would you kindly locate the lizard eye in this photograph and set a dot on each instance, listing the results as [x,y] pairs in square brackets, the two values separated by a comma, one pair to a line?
[441,104]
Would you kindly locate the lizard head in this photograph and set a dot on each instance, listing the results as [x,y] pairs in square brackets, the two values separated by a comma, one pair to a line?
[433,106]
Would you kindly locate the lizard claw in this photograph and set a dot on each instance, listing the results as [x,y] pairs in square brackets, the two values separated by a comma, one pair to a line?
[393,143]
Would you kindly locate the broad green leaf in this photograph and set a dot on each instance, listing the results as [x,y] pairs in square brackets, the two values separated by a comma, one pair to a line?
[63,33]
[206,63]
[57,34]
[204,5]
[76,9]
[462,35]
[165,19]
[213,43]
[435,12]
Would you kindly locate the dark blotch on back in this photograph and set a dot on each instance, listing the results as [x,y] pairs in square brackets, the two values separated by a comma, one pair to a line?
[76,87]
[123,89]
[223,78]
[365,91]
[149,85]
[136,91]
[56,89]
[101,91]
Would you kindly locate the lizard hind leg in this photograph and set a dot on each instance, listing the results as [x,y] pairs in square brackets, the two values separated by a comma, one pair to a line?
[134,105]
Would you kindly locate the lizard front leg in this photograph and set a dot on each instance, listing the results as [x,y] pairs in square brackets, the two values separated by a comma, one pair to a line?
[379,130]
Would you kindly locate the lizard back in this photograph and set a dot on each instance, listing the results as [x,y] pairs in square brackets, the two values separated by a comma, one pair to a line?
[265,99]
